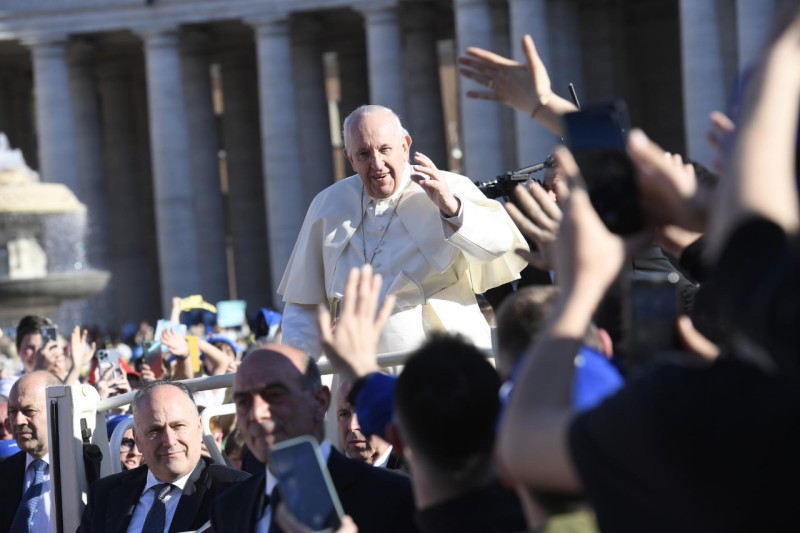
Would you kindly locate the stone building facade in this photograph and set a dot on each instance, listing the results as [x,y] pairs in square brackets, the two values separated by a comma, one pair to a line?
[197,131]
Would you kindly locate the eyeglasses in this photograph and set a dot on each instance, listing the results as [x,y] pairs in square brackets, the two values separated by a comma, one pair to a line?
[127,445]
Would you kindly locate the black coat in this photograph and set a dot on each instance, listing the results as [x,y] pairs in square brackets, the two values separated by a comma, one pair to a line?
[378,500]
[112,499]
[12,474]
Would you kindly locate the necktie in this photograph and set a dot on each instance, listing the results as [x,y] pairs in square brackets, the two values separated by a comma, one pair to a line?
[157,516]
[23,520]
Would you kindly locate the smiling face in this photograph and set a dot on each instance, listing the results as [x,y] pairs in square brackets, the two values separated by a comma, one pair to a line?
[167,431]
[378,148]
[273,400]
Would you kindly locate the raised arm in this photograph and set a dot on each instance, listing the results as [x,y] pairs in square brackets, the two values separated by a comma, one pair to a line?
[526,87]
[760,175]
[533,441]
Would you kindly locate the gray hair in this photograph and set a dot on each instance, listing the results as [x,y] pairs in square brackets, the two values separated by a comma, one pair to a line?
[364,111]
[148,387]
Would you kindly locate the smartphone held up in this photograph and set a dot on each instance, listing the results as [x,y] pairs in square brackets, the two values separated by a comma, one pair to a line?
[597,137]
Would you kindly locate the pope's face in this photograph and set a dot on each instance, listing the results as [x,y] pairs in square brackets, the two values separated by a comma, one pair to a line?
[378,151]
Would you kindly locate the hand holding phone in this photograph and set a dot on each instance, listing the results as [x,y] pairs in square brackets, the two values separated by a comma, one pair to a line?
[597,137]
[305,484]
[49,333]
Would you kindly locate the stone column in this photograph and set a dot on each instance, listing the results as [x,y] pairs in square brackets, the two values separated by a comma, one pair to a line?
[703,73]
[385,56]
[55,121]
[534,142]
[241,141]
[351,52]
[172,168]
[209,211]
[565,60]
[91,177]
[312,107]
[480,120]
[23,136]
[279,141]
[753,18]
[425,116]
[131,285]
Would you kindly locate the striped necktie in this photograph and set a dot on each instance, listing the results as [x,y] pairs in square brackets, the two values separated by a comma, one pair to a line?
[23,520]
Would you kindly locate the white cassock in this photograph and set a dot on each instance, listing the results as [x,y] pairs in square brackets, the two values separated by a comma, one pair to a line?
[433,265]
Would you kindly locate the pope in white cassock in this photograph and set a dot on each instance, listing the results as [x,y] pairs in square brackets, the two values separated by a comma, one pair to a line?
[433,236]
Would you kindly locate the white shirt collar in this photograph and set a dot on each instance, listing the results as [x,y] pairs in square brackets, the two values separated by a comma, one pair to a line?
[29,459]
[152,481]
[381,461]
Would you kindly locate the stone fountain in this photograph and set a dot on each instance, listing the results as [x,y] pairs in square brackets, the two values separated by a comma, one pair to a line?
[42,235]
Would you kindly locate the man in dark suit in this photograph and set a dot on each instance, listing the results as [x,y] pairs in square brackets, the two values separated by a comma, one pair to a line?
[173,491]
[279,395]
[370,449]
[25,490]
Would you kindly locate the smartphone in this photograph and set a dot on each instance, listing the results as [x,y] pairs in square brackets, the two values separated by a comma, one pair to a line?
[305,483]
[597,137]
[152,356]
[109,359]
[49,333]
[650,308]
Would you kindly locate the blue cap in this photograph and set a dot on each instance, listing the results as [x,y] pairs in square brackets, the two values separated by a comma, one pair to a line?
[113,421]
[8,448]
[222,338]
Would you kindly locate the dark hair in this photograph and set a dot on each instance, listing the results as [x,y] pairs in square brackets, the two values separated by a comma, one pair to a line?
[312,379]
[447,403]
[30,324]
[520,317]
[150,385]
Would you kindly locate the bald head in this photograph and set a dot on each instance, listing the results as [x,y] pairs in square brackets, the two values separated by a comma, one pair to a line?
[278,395]
[27,411]
[307,368]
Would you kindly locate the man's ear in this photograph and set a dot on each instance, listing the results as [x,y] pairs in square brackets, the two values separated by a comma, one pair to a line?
[323,399]
[605,342]
[407,142]
[394,438]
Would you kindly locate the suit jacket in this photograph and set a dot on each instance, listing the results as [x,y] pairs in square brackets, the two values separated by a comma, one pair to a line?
[113,499]
[12,474]
[379,501]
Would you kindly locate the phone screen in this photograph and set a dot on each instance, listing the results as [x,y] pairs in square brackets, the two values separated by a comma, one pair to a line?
[153,358]
[596,136]
[49,333]
[650,310]
[305,484]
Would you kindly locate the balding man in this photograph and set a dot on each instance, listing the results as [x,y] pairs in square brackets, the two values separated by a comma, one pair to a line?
[25,487]
[433,236]
[279,395]
[174,489]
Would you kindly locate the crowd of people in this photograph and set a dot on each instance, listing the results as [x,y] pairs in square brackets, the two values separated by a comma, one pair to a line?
[556,422]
